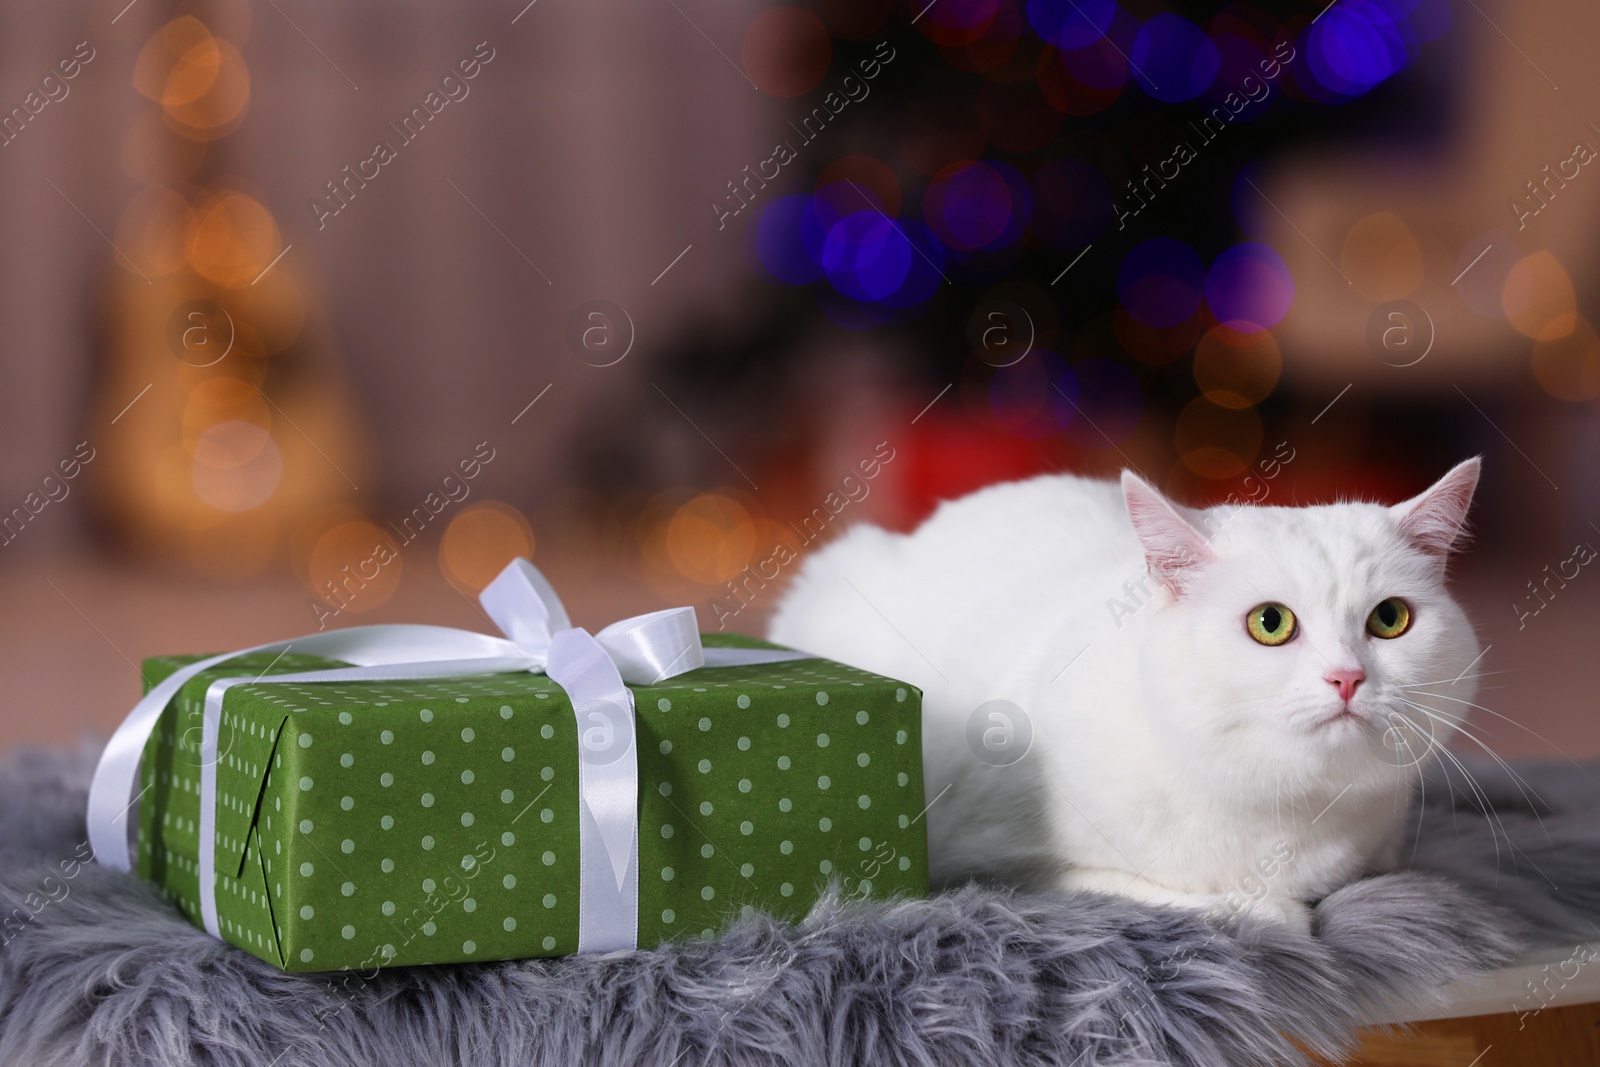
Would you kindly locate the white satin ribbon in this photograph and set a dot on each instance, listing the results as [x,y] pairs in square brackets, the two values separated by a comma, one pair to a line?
[594,670]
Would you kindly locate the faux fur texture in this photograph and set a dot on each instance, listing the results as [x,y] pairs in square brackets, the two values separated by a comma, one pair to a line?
[107,974]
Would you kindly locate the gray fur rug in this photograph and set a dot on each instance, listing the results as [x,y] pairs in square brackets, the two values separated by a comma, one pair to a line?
[105,973]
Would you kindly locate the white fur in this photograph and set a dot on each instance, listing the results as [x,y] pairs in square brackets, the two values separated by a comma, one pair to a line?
[1174,758]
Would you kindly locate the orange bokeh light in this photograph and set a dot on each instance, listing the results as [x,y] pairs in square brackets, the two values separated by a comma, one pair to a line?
[710,539]
[232,239]
[1237,368]
[1568,368]
[481,540]
[354,566]
[1381,257]
[1538,298]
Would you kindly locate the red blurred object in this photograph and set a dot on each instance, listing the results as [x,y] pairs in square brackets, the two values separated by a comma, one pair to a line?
[945,456]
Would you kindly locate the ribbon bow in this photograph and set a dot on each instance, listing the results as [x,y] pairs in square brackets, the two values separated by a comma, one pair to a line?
[594,670]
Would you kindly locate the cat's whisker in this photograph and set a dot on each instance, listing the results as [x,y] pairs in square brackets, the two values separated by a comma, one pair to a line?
[1492,817]
[1507,718]
[1516,779]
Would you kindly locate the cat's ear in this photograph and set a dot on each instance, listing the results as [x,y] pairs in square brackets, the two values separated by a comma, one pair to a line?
[1173,548]
[1432,521]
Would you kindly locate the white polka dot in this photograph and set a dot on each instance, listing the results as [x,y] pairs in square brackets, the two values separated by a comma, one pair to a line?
[387,822]
[708,850]
[706,892]
[905,863]
[665,747]
[427,759]
[426,715]
[786,889]
[466,818]
[747,828]
[664,704]
[863,802]
[509,923]
[307,870]
[899,737]
[549,859]
[786,847]
[547,731]
[388,952]
[706,808]
[744,701]
[305,740]
[345,718]
[469,947]
[822,698]
[549,900]
[824,782]
[865,844]
[863,759]
[386,779]
[665,789]
[783,720]
[783,763]
[388,907]
[505,711]
[548,943]
[747,870]
[387,865]
[863,718]
[904,822]
[508,753]
[467,734]
[822,740]
[667,830]
[306,955]
[744,785]
[427,841]
[669,916]
[347,760]
[305,826]
[705,766]
[900,694]
[347,932]
[824,824]
[902,778]
[429,929]
[507,796]
[785,804]
[348,889]
[427,800]
[469,905]
[347,846]
[548,773]
[826,866]
[508,839]
[387,737]
[546,815]
[347,803]
[467,777]
[429,885]
[305,785]
[509,881]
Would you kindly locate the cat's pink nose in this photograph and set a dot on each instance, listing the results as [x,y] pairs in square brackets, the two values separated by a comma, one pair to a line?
[1346,678]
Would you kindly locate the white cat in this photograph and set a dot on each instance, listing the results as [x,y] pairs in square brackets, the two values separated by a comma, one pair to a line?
[1228,708]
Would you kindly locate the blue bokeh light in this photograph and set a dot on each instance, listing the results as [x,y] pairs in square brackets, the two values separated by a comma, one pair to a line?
[1356,45]
[1173,59]
[977,206]
[1071,23]
[1250,283]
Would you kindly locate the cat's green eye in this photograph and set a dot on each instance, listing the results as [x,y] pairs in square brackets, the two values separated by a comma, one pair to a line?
[1270,624]
[1391,618]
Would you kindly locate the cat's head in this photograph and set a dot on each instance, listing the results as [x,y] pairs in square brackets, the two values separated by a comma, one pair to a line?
[1293,649]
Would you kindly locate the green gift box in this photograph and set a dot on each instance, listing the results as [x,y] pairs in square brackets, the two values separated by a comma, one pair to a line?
[362,824]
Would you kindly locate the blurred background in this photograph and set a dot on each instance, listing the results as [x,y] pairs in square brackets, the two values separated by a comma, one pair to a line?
[316,314]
